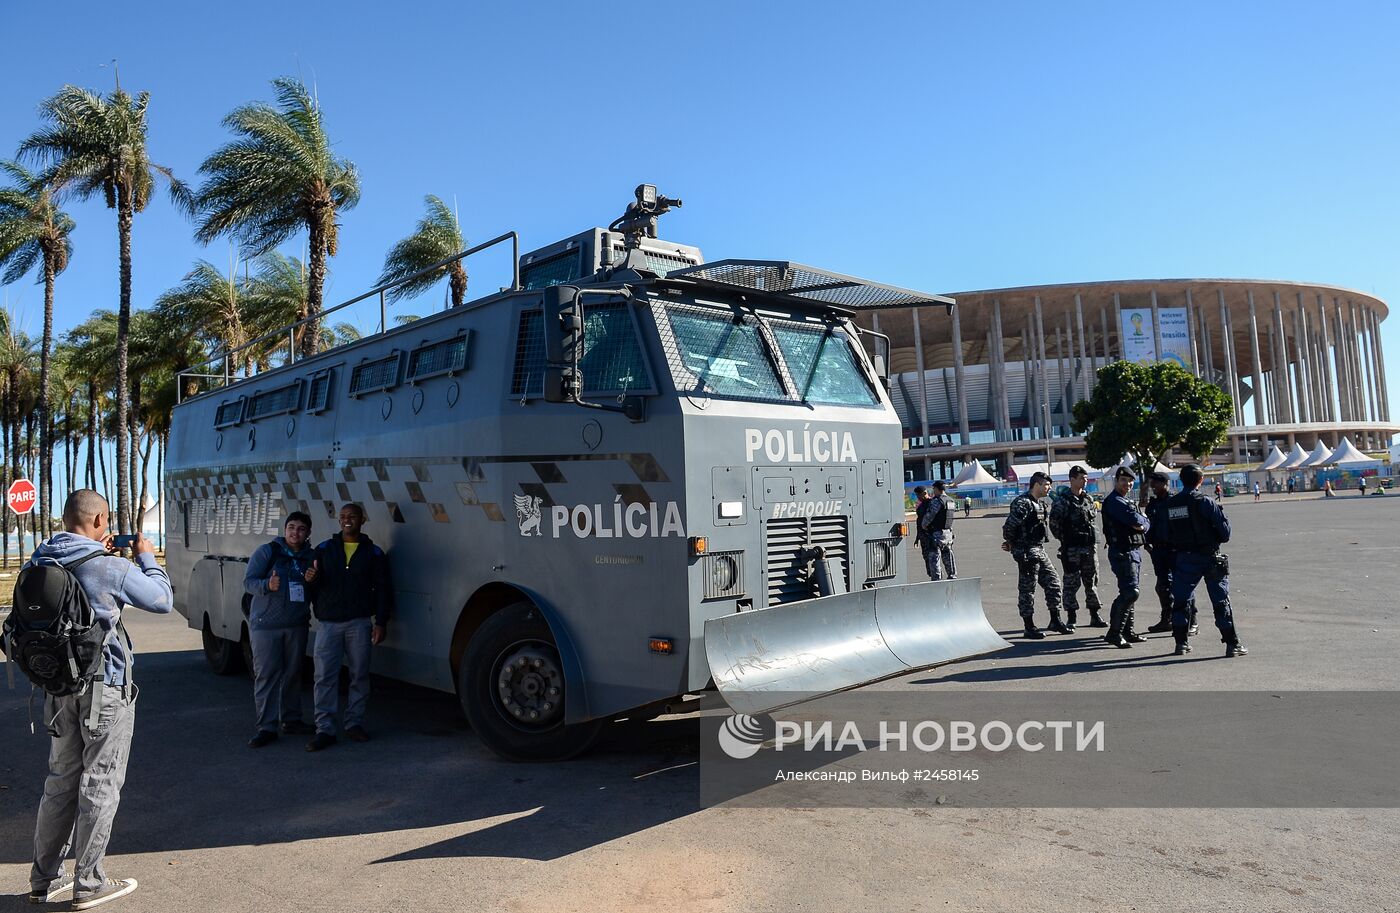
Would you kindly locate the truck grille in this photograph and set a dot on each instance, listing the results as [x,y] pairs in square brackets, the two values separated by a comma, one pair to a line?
[787,578]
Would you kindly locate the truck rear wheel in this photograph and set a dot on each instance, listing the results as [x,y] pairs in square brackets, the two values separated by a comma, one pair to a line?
[511,685]
[225,657]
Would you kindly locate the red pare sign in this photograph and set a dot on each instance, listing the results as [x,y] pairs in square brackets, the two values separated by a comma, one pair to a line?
[21,497]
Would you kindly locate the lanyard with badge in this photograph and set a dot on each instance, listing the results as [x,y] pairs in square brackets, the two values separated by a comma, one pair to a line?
[296,587]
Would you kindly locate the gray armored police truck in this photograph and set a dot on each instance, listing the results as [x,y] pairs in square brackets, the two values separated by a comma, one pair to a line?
[628,477]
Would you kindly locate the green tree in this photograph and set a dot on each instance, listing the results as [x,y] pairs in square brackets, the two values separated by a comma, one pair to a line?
[18,360]
[91,145]
[278,177]
[437,237]
[35,232]
[1146,410]
[209,306]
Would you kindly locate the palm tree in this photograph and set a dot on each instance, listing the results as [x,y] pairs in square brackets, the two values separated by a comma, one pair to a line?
[437,237]
[278,295]
[35,232]
[95,145]
[18,360]
[209,306]
[92,344]
[278,177]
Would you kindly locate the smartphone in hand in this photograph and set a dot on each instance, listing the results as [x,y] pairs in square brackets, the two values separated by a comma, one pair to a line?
[124,541]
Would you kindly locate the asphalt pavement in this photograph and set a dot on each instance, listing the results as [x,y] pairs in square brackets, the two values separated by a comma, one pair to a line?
[424,818]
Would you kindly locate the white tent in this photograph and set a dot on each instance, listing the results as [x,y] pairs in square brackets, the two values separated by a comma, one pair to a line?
[1295,458]
[1319,456]
[150,516]
[1057,471]
[1274,460]
[1158,467]
[974,475]
[1346,454]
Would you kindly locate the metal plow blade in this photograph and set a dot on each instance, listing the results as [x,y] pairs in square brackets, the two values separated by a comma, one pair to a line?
[764,659]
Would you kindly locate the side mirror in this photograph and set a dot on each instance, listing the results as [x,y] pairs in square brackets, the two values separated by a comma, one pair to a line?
[877,346]
[563,344]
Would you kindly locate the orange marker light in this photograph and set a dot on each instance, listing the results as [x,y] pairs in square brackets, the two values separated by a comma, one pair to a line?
[698,545]
[663,645]
[902,530]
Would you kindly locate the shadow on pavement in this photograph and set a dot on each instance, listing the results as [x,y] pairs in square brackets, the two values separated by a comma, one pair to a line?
[193,783]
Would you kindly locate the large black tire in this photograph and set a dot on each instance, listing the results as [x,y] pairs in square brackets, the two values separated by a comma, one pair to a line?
[223,656]
[511,685]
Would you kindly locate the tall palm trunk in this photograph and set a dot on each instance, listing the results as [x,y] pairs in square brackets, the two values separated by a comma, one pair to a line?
[12,381]
[457,282]
[5,470]
[311,341]
[134,435]
[145,480]
[92,435]
[42,405]
[124,217]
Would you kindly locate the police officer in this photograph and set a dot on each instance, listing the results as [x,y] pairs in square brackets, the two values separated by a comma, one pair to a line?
[1125,529]
[936,528]
[1072,522]
[1159,549]
[1024,534]
[1198,528]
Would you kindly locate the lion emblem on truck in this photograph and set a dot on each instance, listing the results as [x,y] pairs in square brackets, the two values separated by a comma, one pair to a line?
[527,513]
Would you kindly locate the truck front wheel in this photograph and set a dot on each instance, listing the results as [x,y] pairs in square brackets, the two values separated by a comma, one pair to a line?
[223,656]
[511,685]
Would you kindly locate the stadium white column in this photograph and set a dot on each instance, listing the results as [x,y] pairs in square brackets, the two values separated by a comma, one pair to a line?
[1044,378]
[993,382]
[1287,408]
[1326,358]
[1086,366]
[1156,329]
[1031,417]
[1191,334]
[1118,324]
[1363,346]
[923,387]
[1227,345]
[1300,370]
[1003,398]
[1254,352]
[1339,354]
[1060,392]
[1380,363]
[960,378]
[1310,359]
[1275,415]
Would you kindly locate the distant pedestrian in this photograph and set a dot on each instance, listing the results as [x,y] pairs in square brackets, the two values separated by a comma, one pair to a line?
[353,599]
[90,732]
[1327,489]
[1024,534]
[1361,486]
[1290,486]
[280,573]
[1218,492]
[1256,491]
[967,506]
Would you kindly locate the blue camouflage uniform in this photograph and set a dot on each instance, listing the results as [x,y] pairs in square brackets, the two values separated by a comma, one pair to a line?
[935,519]
[1072,522]
[1125,528]
[1198,528]
[1026,530]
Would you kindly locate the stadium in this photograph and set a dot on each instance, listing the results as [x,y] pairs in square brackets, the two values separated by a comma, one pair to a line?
[993,380]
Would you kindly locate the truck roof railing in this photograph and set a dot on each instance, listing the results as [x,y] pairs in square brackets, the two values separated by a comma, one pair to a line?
[807,283]
[289,331]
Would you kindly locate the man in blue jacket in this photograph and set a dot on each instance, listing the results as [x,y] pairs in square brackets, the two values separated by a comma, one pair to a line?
[1198,529]
[90,733]
[279,576]
[1125,529]
[353,600]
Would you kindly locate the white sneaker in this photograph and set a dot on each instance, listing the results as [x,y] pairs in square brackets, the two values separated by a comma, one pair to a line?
[56,888]
[110,891]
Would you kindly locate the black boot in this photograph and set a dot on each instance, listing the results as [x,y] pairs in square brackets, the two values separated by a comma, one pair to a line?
[1069,621]
[1233,647]
[1058,626]
[1182,648]
[1195,628]
[1179,634]
[1114,637]
[1163,625]
[1096,620]
[1129,634]
[1032,632]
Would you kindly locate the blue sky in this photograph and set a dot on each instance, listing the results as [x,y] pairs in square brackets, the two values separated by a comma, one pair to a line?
[935,146]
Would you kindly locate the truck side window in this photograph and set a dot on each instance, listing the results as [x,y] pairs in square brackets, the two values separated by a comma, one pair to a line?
[724,357]
[612,359]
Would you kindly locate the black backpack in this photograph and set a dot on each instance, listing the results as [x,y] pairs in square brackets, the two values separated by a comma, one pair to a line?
[52,633]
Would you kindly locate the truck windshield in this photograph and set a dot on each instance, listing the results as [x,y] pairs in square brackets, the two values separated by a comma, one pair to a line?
[726,354]
[612,359]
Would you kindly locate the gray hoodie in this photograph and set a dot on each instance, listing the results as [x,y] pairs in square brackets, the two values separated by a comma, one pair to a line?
[111,583]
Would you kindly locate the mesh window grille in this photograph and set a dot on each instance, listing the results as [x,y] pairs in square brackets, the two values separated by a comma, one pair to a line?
[275,402]
[612,359]
[719,352]
[230,413]
[320,397]
[448,356]
[380,374]
[658,262]
[552,270]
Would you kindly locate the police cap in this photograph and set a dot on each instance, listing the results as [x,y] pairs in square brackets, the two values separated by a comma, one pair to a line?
[1124,473]
[1077,471]
[939,485]
[1158,477]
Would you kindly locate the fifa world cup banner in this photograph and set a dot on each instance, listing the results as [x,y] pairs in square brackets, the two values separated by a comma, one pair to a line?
[1176,337]
[1139,344]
